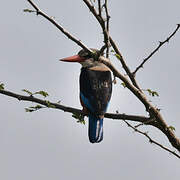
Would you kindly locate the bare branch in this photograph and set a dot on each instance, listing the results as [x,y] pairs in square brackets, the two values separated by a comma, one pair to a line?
[78,42]
[151,140]
[31,98]
[107,28]
[99,7]
[155,50]
[126,68]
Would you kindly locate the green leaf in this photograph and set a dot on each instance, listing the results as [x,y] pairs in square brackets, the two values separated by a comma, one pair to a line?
[1,86]
[43,93]
[29,110]
[28,92]
[79,117]
[152,93]
[33,108]
[118,56]
[28,10]
[123,84]
[172,128]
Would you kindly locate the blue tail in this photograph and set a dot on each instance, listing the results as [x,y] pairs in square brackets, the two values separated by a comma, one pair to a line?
[95,129]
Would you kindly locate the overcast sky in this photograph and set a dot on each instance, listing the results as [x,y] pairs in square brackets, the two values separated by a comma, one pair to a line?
[49,144]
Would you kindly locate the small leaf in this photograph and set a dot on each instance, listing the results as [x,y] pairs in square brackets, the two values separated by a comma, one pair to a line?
[172,128]
[28,10]
[152,93]
[1,86]
[38,106]
[118,56]
[29,110]
[82,122]
[123,84]
[33,108]
[28,92]
[43,93]
[79,117]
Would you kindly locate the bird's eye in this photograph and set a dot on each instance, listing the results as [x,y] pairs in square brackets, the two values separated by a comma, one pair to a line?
[86,56]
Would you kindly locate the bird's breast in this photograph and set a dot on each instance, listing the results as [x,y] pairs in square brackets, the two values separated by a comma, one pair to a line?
[99,68]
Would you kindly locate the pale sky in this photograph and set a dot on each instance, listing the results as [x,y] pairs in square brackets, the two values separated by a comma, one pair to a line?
[49,144]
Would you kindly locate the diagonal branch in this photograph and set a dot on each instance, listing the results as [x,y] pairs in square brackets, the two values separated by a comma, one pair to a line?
[155,50]
[39,12]
[151,140]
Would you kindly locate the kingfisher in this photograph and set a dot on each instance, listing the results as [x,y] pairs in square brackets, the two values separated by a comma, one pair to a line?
[95,91]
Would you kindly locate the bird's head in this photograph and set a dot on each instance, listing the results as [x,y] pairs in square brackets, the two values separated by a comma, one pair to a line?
[82,57]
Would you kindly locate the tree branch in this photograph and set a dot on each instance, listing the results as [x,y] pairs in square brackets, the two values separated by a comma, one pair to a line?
[155,50]
[78,42]
[151,140]
[46,103]
[99,7]
[107,28]
[154,112]
[134,118]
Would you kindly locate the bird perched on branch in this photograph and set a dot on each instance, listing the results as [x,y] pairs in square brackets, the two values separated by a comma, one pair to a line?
[95,91]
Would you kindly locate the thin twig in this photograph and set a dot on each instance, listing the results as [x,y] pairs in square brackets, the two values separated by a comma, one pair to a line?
[102,49]
[39,12]
[107,28]
[99,7]
[145,123]
[151,140]
[155,50]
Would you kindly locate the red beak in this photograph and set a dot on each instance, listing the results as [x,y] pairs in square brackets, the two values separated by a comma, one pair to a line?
[75,58]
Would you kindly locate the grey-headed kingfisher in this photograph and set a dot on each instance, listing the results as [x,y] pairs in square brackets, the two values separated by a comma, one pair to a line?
[95,91]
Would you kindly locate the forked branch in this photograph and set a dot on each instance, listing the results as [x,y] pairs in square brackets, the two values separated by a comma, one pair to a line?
[112,42]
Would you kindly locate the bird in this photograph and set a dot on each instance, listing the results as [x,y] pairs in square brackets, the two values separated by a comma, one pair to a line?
[95,91]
